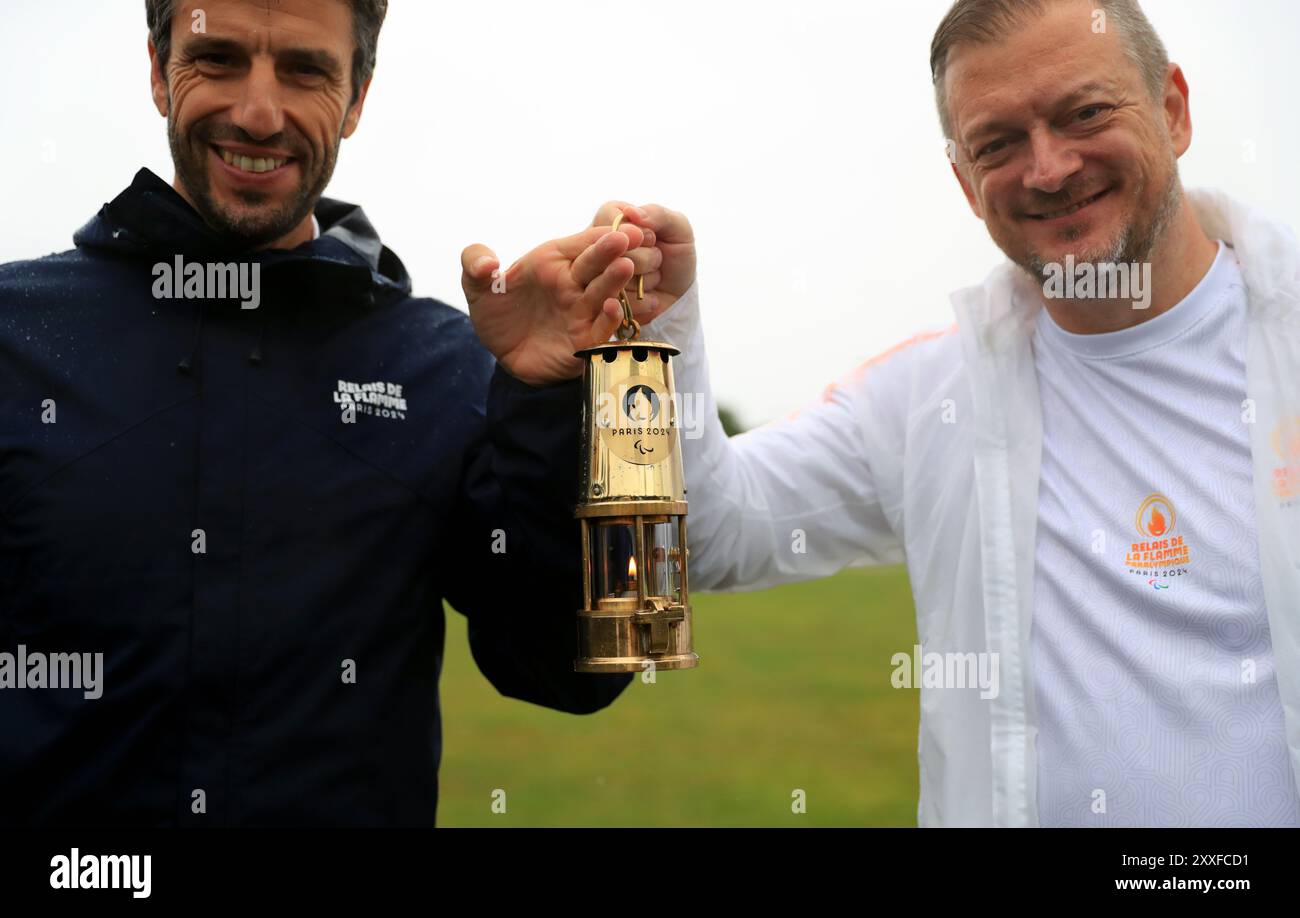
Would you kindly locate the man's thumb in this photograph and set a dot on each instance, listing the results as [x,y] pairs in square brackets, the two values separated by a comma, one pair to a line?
[477,263]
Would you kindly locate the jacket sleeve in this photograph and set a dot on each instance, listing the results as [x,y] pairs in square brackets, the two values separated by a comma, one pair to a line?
[792,500]
[516,573]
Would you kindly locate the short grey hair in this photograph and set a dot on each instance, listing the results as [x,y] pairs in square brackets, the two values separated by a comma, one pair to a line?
[985,21]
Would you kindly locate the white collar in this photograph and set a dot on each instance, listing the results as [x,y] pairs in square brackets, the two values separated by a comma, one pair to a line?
[1207,296]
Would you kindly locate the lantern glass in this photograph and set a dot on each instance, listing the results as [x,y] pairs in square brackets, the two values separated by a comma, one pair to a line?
[613,546]
[616,568]
[664,577]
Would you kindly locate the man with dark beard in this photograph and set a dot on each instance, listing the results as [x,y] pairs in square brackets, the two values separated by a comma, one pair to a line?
[253,506]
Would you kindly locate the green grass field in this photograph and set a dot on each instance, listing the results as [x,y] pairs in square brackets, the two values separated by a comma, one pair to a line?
[792,692]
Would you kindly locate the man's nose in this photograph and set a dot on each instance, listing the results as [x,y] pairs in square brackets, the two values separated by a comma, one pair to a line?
[1053,161]
[258,110]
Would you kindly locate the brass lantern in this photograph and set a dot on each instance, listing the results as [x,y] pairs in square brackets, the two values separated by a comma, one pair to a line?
[636,606]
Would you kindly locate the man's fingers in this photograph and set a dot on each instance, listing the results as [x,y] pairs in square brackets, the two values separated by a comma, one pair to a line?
[646,260]
[668,225]
[573,246]
[597,257]
[647,310]
[609,283]
[611,316]
[651,217]
[607,212]
[611,209]
[477,263]
[646,282]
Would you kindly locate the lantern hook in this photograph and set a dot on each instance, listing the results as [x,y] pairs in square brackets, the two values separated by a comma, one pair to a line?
[630,328]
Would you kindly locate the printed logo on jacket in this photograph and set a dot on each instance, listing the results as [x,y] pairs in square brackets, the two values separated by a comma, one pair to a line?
[381,399]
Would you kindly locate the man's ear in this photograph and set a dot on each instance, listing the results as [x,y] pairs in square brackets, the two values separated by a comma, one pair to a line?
[1178,110]
[157,81]
[353,116]
[966,190]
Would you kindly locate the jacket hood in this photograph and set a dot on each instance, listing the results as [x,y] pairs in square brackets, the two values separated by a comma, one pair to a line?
[151,220]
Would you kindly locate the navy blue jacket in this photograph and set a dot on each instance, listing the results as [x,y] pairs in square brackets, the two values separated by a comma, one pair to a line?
[128,422]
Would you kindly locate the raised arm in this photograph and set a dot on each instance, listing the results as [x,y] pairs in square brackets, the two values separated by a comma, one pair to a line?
[792,500]
[795,499]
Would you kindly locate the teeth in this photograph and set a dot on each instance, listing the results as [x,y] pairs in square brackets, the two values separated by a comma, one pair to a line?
[251,164]
[1069,210]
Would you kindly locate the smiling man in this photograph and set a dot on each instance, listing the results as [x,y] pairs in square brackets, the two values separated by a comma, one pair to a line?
[251,503]
[1096,493]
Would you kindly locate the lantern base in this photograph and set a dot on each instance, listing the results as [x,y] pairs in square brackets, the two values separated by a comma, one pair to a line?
[634,664]
[628,641]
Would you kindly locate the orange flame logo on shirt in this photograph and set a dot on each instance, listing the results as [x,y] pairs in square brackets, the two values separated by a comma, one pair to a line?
[1286,439]
[1156,516]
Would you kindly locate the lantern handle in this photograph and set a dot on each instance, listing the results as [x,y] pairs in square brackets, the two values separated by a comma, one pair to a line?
[630,328]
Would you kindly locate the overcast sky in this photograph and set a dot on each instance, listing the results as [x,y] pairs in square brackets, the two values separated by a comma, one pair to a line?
[800,138]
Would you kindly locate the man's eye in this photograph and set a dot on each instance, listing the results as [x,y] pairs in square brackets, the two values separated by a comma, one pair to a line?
[217,60]
[308,70]
[989,149]
[1091,113]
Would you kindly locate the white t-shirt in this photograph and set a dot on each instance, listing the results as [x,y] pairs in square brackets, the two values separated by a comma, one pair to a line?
[1152,661]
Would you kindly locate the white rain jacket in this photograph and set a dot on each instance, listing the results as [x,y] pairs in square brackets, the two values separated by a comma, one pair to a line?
[872,474]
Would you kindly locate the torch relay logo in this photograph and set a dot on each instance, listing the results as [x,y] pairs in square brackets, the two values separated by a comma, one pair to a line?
[1162,553]
[1285,441]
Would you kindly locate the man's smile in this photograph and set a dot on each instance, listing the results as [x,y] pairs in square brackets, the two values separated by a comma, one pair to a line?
[1071,210]
[250,165]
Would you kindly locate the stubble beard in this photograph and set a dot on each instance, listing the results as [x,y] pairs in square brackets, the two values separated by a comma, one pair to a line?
[1134,241]
[257,227]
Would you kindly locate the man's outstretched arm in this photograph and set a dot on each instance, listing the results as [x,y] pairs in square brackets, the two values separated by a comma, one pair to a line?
[792,500]
[517,572]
